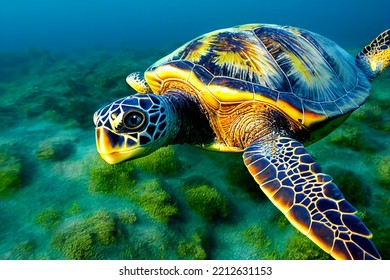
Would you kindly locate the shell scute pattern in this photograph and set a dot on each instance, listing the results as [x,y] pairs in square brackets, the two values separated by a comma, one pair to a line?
[340,62]
[298,71]
[203,74]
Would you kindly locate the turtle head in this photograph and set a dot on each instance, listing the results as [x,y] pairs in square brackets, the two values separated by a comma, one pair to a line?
[133,127]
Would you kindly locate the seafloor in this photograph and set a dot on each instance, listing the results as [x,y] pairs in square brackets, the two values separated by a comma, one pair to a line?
[59,200]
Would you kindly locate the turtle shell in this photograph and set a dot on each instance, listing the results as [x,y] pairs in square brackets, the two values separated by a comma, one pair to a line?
[305,75]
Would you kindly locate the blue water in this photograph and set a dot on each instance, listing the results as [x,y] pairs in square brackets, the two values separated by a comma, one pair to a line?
[73,24]
[62,60]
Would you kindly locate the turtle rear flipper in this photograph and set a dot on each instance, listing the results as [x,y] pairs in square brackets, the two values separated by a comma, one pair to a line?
[309,199]
[375,57]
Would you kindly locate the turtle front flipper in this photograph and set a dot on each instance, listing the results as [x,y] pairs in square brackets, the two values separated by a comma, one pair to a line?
[137,81]
[309,199]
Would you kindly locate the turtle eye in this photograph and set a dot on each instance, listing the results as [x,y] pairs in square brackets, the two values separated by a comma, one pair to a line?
[134,120]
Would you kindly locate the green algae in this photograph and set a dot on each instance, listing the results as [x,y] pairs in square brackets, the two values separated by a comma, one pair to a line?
[206,201]
[55,149]
[151,197]
[259,241]
[24,251]
[74,209]
[192,249]
[111,179]
[120,180]
[256,237]
[351,136]
[127,217]
[75,247]
[383,172]
[282,221]
[48,218]
[10,172]
[370,112]
[161,162]
[82,240]
[299,247]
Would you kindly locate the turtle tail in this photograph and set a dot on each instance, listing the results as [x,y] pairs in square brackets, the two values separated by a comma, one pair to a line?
[375,57]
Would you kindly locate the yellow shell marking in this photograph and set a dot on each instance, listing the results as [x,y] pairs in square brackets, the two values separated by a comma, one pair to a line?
[289,110]
[243,57]
[161,80]
[300,67]
[201,48]
[226,94]
[156,77]
[213,95]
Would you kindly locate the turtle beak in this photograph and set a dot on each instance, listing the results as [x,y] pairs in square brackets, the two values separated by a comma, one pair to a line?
[112,147]
[114,158]
[107,145]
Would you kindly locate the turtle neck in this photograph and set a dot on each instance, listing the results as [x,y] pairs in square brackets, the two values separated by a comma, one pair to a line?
[193,125]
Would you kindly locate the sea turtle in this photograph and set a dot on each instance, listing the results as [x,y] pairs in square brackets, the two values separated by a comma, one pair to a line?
[264,90]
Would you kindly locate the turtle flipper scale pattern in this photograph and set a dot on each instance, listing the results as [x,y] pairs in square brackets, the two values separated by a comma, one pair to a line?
[309,199]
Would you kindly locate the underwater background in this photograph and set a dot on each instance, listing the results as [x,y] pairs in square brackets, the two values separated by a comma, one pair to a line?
[60,61]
